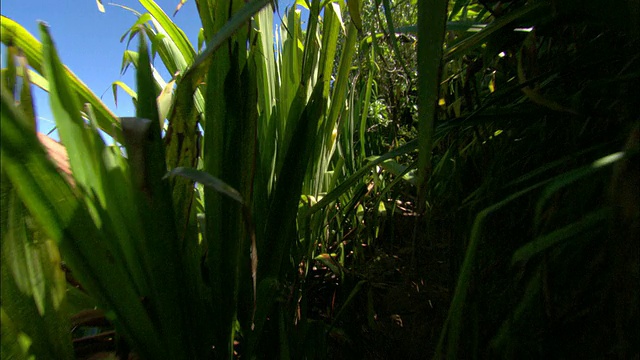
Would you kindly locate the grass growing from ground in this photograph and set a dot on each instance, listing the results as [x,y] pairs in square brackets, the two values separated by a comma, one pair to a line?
[394,180]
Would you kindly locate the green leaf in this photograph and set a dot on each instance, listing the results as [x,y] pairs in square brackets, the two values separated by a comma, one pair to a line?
[354,11]
[209,181]
[13,33]
[547,241]
[160,243]
[175,34]
[15,343]
[431,29]
[119,84]
[196,72]
[33,285]
[331,29]
[437,8]
[165,100]
[17,67]
[355,177]
[64,219]
[84,160]
[328,261]
[280,230]
[478,38]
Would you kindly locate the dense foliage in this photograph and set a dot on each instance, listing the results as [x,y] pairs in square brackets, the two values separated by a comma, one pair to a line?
[387,179]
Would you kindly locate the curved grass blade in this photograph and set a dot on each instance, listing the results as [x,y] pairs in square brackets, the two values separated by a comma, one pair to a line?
[175,34]
[351,180]
[80,143]
[220,186]
[478,38]
[119,84]
[209,181]
[331,28]
[354,11]
[162,258]
[547,241]
[280,230]
[433,11]
[13,33]
[452,327]
[33,285]
[14,342]
[17,67]
[52,202]
[196,72]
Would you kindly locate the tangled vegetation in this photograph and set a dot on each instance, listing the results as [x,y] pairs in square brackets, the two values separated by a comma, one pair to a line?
[394,179]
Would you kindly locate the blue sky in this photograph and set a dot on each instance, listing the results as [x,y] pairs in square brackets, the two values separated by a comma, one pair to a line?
[88,42]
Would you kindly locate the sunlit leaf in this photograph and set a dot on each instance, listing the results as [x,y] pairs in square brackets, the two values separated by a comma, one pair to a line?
[14,33]
[208,181]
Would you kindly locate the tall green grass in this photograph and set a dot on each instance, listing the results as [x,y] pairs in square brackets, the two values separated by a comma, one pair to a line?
[267,155]
[172,285]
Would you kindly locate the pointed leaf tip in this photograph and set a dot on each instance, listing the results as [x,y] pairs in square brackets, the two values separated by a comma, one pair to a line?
[182,2]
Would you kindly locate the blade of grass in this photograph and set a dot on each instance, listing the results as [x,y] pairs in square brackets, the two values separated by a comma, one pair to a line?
[452,327]
[163,254]
[434,12]
[13,33]
[51,201]
[547,241]
[48,330]
[478,38]
[222,222]
[431,27]
[196,73]
[354,178]
[84,161]
[280,231]
[177,36]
